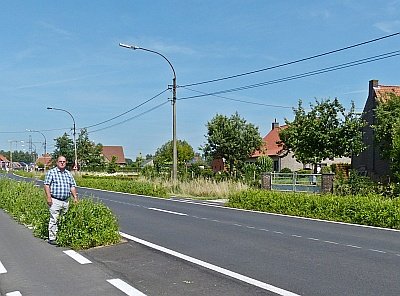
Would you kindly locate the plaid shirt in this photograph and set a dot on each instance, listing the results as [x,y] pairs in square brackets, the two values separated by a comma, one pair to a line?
[60,183]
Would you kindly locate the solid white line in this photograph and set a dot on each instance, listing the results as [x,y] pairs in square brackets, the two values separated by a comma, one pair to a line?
[77,257]
[169,212]
[213,267]
[2,268]
[15,293]
[124,287]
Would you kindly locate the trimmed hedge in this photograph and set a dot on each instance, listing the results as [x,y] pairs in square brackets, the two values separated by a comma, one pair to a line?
[127,186]
[373,210]
[86,224]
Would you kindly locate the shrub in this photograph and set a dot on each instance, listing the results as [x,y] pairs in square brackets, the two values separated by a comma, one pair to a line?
[87,224]
[372,209]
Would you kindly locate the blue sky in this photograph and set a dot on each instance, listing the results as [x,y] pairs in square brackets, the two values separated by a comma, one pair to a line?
[65,54]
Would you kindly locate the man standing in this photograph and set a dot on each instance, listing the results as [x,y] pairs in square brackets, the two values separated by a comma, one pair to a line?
[59,184]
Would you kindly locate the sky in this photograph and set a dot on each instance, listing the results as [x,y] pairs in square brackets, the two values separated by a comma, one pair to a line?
[66,55]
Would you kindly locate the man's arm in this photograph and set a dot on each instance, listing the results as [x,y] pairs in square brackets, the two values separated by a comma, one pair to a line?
[48,194]
[74,193]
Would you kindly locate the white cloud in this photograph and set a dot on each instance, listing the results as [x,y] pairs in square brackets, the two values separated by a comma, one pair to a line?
[388,26]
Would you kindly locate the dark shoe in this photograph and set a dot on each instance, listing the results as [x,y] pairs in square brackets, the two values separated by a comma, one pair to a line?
[52,242]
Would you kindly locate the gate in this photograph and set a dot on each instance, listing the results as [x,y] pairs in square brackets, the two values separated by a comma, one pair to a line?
[296,182]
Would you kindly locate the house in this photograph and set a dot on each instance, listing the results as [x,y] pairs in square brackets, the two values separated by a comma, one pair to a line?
[370,162]
[118,151]
[4,162]
[274,148]
[45,160]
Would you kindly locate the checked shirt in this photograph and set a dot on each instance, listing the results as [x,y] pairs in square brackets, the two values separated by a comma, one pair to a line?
[60,183]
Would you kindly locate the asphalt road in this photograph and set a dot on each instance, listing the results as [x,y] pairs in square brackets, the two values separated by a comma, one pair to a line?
[280,254]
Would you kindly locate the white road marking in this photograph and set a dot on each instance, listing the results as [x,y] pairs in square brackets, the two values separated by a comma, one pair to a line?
[15,293]
[295,235]
[312,238]
[330,242]
[2,268]
[124,287]
[353,246]
[378,251]
[77,257]
[169,212]
[213,267]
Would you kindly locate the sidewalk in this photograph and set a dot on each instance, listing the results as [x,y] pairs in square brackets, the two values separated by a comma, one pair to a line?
[31,266]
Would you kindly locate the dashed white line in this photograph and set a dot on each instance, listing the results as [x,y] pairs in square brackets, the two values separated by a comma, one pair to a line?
[353,246]
[126,288]
[278,232]
[330,242]
[313,238]
[169,212]
[15,293]
[2,268]
[295,235]
[378,251]
[77,257]
[213,267]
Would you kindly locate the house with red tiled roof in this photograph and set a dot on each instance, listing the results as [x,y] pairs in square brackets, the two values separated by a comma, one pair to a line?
[118,151]
[273,147]
[4,162]
[45,160]
[370,161]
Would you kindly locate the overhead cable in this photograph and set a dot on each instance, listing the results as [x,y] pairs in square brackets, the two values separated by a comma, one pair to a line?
[302,75]
[293,62]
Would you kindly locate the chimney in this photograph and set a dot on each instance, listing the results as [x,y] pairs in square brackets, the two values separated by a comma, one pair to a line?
[275,124]
[372,84]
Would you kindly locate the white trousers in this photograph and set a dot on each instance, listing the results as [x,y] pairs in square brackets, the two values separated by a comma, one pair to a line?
[58,207]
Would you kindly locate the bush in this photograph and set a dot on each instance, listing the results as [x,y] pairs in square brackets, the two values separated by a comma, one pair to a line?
[372,209]
[86,224]
[128,186]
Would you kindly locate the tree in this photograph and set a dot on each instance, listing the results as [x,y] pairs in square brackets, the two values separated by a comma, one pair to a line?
[89,153]
[64,146]
[164,154]
[326,132]
[387,131]
[231,138]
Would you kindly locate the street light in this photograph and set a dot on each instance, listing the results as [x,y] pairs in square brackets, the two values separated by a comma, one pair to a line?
[16,142]
[33,131]
[175,152]
[73,119]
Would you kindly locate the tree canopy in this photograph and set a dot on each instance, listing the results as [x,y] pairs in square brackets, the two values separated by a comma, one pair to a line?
[231,138]
[164,153]
[387,131]
[325,132]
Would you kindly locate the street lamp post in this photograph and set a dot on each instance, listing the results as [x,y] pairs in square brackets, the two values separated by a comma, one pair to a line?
[175,152]
[11,157]
[74,131]
[45,142]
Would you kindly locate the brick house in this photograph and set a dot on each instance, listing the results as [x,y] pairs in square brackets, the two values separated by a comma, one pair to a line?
[273,147]
[118,151]
[369,162]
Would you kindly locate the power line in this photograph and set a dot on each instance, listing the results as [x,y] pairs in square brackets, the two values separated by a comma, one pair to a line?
[302,75]
[293,62]
[128,119]
[239,100]
[130,110]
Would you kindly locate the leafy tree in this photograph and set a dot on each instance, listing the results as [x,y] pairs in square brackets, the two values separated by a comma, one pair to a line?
[387,131]
[64,146]
[112,165]
[89,153]
[164,154]
[327,131]
[231,138]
